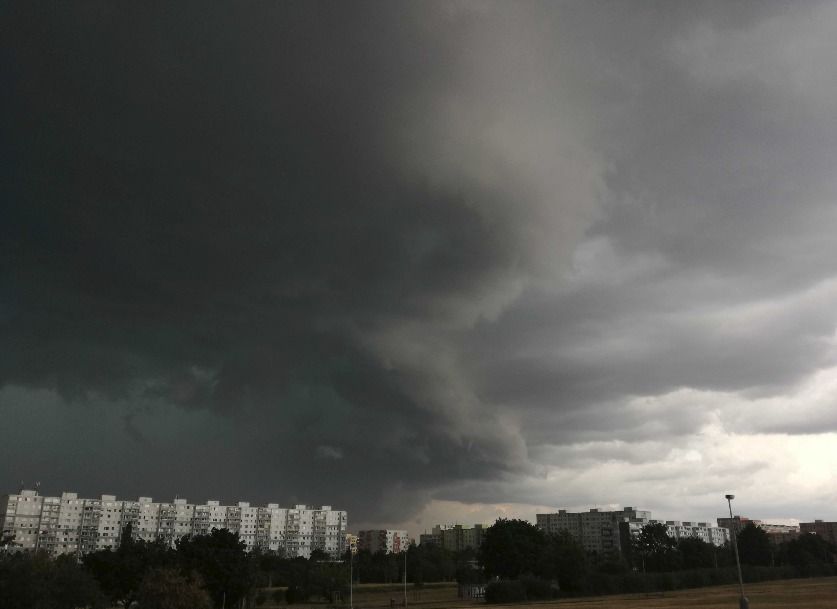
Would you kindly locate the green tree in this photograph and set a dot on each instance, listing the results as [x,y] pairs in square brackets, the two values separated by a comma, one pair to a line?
[696,553]
[37,582]
[563,559]
[269,564]
[168,589]
[511,548]
[7,542]
[754,546]
[808,550]
[433,563]
[222,563]
[657,551]
[120,572]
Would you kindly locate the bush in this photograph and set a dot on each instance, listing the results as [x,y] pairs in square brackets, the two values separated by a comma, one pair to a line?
[278,597]
[293,595]
[538,589]
[634,582]
[167,589]
[505,591]
[694,579]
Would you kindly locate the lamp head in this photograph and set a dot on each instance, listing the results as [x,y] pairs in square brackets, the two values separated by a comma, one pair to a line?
[729,497]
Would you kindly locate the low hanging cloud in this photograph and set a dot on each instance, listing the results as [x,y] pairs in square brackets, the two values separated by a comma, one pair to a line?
[329,452]
[392,257]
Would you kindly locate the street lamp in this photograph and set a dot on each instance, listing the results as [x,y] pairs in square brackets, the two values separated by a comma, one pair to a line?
[405,577]
[743,602]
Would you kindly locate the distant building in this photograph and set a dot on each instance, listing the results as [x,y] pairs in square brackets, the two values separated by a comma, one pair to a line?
[610,532]
[456,537]
[72,525]
[826,530]
[383,540]
[717,536]
[351,543]
[737,522]
[776,533]
[597,531]
[430,539]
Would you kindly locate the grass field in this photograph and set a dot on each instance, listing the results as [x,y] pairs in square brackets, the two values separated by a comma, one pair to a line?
[820,593]
[795,593]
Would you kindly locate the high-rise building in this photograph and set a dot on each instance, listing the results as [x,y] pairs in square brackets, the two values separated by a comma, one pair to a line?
[596,530]
[383,540]
[71,525]
[610,532]
[826,530]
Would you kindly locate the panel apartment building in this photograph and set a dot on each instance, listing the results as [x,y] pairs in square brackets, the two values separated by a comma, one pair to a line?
[72,525]
[826,530]
[456,537]
[776,533]
[389,541]
[610,532]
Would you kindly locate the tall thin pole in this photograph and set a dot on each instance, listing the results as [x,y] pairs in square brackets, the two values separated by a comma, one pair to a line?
[405,578]
[743,602]
[351,577]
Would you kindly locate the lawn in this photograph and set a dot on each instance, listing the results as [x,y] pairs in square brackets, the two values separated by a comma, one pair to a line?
[820,593]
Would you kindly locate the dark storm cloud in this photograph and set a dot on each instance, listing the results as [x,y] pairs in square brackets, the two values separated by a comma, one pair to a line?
[373,254]
[204,209]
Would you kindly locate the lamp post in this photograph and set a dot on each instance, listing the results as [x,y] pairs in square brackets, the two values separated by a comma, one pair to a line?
[743,602]
[405,577]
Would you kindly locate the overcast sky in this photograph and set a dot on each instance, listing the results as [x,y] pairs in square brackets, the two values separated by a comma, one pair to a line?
[426,262]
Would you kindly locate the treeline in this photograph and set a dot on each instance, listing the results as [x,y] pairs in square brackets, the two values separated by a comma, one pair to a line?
[520,562]
[200,573]
[517,561]
[207,571]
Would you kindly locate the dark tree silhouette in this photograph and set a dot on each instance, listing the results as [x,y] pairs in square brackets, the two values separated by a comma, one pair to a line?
[808,550]
[168,589]
[222,563]
[656,549]
[37,582]
[120,572]
[511,548]
[754,546]
[696,553]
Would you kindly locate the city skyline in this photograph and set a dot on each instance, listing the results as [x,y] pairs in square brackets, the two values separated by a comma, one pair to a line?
[425,261]
[416,532]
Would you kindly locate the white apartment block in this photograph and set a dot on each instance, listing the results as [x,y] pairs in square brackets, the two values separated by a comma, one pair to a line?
[704,531]
[607,532]
[383,540]
[677,530]
[70,525]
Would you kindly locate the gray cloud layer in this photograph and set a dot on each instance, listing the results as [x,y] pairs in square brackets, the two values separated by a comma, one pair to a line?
[375,254]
